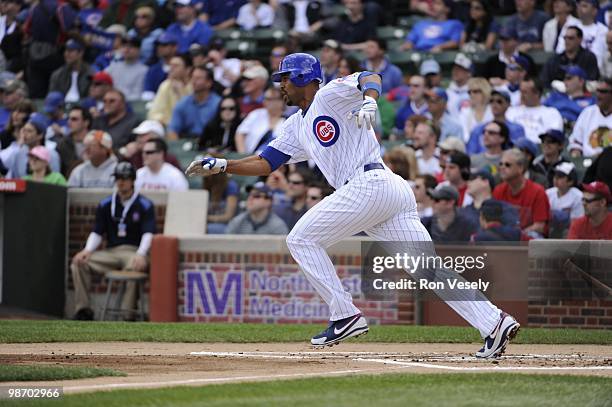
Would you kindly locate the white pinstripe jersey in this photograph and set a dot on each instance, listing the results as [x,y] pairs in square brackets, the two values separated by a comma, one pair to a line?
[328,136]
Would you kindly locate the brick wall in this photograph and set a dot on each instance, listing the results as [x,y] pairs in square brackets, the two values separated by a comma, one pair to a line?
[571,314]
[269,288]
[557,297]
[567,282]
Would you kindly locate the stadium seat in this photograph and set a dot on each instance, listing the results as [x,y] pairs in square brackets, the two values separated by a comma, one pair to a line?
[184,150]
[408,22]
[241,49]
[540,57]
[139,107]
[390,33]
[229,34]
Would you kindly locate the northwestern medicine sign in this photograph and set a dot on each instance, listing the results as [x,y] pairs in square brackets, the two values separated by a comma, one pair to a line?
[259,292]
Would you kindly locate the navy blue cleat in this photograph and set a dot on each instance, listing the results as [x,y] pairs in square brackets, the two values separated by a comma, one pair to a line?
[495,344]
[337,331]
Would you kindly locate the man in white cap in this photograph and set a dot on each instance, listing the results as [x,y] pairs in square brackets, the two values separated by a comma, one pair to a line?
[97,170]
[146,131]
[458,89]
[254,83]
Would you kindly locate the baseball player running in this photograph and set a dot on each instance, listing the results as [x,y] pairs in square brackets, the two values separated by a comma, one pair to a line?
[334,128]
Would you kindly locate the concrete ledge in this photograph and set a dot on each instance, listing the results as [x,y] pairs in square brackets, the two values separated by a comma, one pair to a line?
[94,195]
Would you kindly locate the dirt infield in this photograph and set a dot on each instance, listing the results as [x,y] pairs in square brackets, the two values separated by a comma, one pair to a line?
[151,365]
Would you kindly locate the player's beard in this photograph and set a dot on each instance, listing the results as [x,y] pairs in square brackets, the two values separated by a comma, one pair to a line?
[287,99]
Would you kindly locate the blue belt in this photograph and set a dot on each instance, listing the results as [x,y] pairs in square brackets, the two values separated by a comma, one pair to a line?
[370,167]
[373,166]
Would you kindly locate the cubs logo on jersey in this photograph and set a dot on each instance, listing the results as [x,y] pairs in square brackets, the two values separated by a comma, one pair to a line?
[326,130]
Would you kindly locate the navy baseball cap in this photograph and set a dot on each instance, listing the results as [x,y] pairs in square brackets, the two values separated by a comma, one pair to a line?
[437,92]
[260,187]
[74,45]
[575,70]
[526,144]
[53,101]
[167,38]
[39,121]
[520,62]
[503,94]
[555,135]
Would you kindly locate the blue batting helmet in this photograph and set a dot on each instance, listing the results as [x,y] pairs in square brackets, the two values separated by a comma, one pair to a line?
[302,69]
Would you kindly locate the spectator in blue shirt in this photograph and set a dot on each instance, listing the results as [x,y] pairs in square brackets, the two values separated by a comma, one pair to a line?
[221,14]
[188,29]
[89,13]
[165,47]
[529,25]
[438,34]
[500,101]
[192,113]
[415,104]
[376,61]
[574,99]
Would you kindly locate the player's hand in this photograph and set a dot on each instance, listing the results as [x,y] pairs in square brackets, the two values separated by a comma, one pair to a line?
[367,113]
[206,166]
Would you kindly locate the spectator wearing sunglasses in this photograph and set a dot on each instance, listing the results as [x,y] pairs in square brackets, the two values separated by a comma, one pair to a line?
[291,210]
[117,120]
[524,194]
[500,102]
[157,174]
[596,224]
[585,139]
[495,139]
[574,54]
[316,192]
[447,223]
[220,133]
[258,218]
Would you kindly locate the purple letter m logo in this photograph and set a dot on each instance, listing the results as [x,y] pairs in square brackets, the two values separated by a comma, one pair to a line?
[205,283]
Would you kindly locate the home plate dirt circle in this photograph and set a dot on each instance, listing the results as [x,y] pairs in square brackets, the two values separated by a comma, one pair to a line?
[151,365]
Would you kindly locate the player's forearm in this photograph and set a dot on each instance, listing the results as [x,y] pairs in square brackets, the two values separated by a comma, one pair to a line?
[252,165]
[375,80]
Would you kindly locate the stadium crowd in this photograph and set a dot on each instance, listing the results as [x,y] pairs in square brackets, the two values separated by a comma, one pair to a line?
[502,145]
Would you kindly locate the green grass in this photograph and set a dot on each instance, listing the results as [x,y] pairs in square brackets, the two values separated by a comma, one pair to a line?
[29,373]
[455,390]
[12,331]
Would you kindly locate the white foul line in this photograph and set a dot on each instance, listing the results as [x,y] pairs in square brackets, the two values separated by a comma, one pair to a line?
[488,368]
[169,383]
